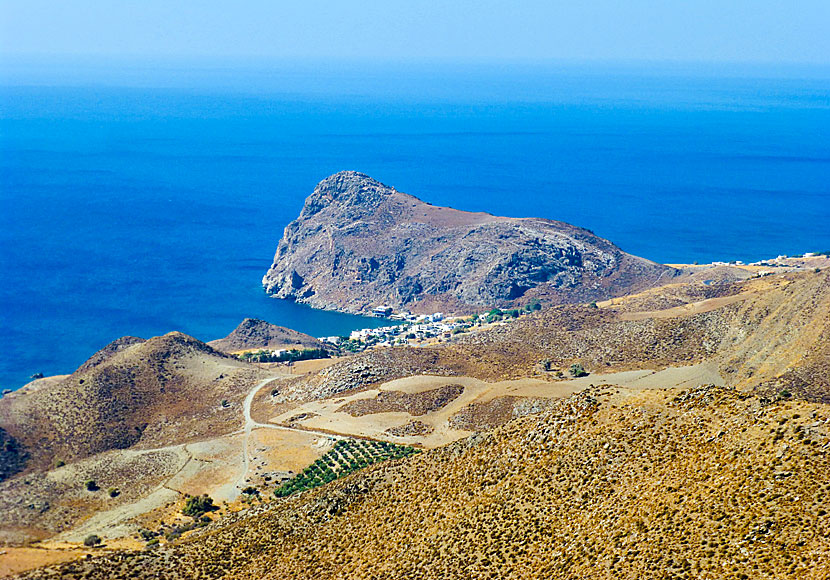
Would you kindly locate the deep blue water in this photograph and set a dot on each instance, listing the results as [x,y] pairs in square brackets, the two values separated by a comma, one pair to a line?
[140,210]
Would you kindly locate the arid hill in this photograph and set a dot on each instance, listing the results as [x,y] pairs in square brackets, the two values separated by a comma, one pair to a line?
[698,483]
[642,469]
[771,334]
[253,333]
[132,392]
[359,244]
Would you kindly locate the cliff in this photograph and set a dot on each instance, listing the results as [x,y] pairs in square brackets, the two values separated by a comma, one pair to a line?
[359,244]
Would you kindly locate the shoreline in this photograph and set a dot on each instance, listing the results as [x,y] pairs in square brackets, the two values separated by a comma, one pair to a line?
[777,265]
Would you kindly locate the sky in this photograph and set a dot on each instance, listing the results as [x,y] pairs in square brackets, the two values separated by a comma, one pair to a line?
[709,31]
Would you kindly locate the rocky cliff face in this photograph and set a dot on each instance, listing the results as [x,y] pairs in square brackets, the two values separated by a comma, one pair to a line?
[359,244]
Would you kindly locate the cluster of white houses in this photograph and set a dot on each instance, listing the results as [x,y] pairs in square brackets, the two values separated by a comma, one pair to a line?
[773,262]
[415,328]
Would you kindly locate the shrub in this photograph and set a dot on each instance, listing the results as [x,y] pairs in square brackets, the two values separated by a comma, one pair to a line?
[92,541]
[577,370]
[60,463]
[113,492]
[90,485]
[197,506]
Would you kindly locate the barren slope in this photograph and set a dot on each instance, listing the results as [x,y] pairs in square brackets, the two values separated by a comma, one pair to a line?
[762,333]
[132,392]
[703,483]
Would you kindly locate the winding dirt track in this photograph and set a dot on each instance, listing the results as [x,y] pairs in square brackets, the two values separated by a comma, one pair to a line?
[250,425]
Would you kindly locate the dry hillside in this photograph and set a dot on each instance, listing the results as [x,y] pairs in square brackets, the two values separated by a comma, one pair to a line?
[703,483]
[133,392]
[612,475]
[769,333]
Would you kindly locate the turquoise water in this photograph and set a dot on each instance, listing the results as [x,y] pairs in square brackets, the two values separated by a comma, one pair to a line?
[140,210]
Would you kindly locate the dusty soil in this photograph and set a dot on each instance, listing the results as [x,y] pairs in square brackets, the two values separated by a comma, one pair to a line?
[610,483]
[388,421]
[416,404]
[16,560]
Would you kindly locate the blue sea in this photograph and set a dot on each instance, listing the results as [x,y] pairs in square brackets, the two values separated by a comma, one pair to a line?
[136,199]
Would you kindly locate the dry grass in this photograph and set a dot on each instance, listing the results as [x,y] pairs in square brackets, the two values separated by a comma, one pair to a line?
[703,483]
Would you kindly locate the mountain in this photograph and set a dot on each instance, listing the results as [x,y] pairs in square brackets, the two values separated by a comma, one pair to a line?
[131,392]
[253,333]
[359,244]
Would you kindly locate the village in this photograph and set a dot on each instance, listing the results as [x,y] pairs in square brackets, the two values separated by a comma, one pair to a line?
[409,330]
[422,329]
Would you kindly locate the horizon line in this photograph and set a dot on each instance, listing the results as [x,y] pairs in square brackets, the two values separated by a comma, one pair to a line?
[5,57]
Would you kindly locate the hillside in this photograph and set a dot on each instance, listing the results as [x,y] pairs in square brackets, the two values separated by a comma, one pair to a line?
[132,392]
[769,334]
[704,418]
[609,483]
[253,333]
[359,244]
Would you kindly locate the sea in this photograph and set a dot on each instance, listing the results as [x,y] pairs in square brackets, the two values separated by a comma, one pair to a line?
[138,198]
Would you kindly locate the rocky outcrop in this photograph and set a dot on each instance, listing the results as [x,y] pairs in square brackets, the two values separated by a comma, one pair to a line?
[253,333]
[359,244]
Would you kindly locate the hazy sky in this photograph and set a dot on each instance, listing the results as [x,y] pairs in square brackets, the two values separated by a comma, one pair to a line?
[765,31]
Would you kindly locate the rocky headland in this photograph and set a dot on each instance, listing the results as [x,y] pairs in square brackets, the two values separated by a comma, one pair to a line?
[359,244]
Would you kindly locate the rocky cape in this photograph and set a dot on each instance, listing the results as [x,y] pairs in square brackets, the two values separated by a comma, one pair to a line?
[359,244]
